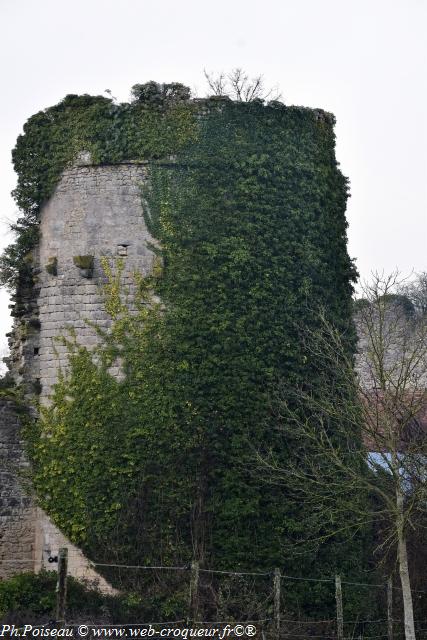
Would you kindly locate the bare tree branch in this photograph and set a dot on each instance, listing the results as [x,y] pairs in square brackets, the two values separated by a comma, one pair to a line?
[365,433]
[238,86]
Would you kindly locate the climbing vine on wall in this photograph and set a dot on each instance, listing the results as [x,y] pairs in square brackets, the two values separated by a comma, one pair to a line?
[250,225]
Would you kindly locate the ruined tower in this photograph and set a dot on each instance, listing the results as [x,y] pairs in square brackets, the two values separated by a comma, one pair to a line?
[256,216]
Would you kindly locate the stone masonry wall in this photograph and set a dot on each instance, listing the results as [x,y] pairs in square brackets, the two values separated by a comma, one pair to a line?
[17,513]
[95,211]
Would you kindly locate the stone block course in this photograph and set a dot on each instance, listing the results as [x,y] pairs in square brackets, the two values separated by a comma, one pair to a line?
[93,210]
[17,513]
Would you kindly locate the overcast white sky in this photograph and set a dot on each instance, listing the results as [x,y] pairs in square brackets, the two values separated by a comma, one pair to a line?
[364,60]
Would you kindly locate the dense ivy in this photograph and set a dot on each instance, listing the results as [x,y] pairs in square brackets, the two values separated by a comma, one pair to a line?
[158,121]
[250,220]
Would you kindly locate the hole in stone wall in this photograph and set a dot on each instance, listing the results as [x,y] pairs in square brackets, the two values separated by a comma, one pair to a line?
[52,266]
[85,265]
[37,386]
[122,249]
[36,351]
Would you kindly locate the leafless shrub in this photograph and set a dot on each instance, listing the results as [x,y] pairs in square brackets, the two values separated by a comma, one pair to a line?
[238,86]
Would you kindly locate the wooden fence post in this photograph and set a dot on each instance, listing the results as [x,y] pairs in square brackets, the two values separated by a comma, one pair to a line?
[276,590]
[390,608]
[61,586]
[194,592]
[340,616]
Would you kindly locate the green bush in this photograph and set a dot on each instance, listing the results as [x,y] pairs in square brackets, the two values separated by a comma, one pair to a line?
[30,598]
[34,594]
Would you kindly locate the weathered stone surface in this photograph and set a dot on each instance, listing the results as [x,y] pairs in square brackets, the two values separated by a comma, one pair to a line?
[94,211]
[17,513]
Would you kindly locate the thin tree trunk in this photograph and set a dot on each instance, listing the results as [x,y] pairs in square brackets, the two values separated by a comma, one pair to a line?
[408,610]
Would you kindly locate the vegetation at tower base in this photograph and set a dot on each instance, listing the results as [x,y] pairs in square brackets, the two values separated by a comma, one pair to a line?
[30,598]
[159,467]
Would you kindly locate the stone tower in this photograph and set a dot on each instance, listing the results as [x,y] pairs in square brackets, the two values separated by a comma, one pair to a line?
[95,212]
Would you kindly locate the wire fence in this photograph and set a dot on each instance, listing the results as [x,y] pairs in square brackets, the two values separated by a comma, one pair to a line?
[271,600]
[246,573]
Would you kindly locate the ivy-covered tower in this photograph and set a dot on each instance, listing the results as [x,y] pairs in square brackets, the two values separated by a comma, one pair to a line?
[233,215]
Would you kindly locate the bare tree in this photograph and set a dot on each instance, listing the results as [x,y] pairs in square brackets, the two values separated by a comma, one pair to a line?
[238,86]
[217,84]
[365,433]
